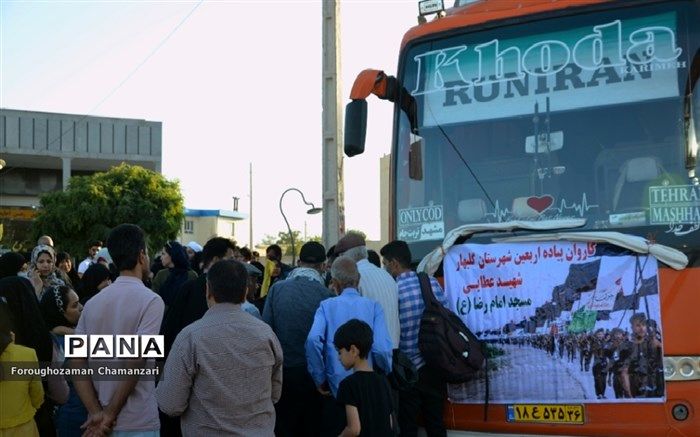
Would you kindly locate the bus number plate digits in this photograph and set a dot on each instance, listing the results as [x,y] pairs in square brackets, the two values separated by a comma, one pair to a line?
[546,413]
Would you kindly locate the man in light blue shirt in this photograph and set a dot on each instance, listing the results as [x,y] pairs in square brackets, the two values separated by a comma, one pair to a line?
[322,358]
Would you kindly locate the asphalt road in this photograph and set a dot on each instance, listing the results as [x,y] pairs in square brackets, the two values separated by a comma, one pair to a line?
[527,374]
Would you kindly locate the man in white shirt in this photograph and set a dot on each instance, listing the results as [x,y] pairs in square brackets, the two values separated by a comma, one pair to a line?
[375,283]
[93,248]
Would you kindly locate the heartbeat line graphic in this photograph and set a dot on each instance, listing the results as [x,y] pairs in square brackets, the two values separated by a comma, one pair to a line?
[498,213]
[501,214]
[581,208]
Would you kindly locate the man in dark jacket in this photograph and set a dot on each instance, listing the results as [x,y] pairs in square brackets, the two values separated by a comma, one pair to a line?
[289,309]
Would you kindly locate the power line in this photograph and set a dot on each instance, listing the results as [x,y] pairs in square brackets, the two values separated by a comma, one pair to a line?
[131,74]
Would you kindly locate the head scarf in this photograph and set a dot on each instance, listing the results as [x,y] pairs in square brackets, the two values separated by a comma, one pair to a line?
[177,274]
[38,250]
[27,323]
[10,264]
[53,278]
[306,272]
[178,255]
[53,306]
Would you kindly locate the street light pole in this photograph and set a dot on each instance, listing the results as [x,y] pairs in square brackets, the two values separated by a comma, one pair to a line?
[312,210]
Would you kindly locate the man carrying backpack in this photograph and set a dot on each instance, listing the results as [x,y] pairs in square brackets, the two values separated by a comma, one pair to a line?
[428,394]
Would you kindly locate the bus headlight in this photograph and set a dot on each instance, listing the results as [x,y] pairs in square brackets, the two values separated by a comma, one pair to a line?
[681,368]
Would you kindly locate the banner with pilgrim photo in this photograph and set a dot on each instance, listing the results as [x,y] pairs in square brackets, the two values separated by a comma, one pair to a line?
[562,321]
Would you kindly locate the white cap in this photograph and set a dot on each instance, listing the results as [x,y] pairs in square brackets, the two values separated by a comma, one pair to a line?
[194,246]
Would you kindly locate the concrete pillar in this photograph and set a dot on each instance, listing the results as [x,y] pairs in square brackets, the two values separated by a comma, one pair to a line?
[333,203]
[66,172]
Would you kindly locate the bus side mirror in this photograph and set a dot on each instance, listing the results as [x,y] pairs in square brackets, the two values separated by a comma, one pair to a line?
[355,127]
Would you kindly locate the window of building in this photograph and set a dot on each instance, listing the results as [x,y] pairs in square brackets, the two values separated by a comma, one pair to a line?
[233,229]
[189,227]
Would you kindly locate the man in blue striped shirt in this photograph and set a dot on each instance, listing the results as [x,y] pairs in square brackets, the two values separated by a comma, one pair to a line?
[428,395]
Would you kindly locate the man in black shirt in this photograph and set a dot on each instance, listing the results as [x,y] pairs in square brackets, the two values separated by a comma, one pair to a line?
[645,360]
[620,352]
[365,394]
[600,362]
[584,346]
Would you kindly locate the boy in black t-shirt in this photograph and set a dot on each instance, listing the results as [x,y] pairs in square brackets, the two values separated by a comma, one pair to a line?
[365,394]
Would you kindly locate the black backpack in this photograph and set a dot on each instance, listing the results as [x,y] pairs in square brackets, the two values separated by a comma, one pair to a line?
[445,342]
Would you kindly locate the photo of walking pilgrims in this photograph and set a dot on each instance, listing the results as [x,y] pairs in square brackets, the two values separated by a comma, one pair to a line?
[561,322]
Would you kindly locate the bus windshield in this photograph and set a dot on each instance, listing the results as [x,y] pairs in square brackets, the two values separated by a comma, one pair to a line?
[571,117]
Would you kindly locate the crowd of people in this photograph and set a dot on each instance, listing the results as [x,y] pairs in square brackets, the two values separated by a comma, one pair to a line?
[251,348]
[630,363]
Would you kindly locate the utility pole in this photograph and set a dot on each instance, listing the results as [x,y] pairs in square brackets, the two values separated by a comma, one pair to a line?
[333,205]
[250,209]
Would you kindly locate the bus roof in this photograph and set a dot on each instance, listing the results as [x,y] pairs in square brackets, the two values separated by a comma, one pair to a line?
[485,11]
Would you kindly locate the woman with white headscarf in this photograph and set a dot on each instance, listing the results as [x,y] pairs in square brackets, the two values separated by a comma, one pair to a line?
[42,270]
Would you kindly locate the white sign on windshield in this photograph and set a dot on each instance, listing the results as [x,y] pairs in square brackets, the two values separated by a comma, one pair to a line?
[611,63]
[421,223]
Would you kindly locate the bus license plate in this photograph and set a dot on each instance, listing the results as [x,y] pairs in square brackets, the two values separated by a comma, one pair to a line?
[546,413]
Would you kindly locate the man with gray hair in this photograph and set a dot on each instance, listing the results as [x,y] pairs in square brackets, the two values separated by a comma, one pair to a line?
[375,283]
[45,240]
[323,362]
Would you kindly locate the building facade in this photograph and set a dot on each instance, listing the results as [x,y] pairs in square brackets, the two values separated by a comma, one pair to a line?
[202,224]
[43,150]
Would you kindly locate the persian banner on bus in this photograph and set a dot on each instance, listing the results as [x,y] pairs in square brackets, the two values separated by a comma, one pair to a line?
[611,62]
[564,322]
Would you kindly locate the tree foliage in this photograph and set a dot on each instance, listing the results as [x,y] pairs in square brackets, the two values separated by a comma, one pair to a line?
[283,240]
[95,204]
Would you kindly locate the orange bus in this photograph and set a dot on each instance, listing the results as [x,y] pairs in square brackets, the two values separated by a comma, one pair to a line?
[541,151]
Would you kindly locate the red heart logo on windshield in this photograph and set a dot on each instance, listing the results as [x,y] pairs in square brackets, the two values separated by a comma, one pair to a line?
[540,204]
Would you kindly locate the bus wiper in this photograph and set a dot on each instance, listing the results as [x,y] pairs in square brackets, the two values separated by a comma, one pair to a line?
[464,161]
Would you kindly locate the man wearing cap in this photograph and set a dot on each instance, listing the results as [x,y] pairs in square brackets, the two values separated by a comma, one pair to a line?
[192,248]
[194,256]
[375,283]
[289,309]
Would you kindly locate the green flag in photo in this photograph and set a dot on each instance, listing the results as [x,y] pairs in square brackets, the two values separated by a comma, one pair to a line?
[583,320]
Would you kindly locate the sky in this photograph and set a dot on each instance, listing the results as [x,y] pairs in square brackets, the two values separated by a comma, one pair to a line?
[233,82]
